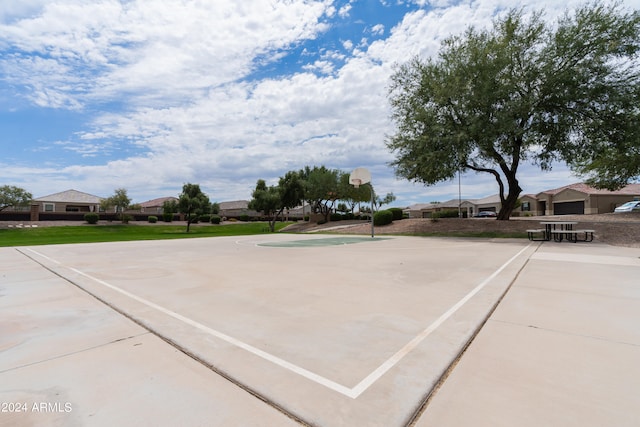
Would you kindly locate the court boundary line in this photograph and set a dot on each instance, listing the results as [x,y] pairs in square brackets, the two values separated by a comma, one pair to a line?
[353,392]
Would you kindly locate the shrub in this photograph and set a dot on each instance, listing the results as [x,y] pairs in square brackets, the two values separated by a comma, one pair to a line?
[451,213]
[152,219]
[336,217]
[383,217]
[167,217]
[91,218]
[215,219]
[244,217]
[204,218]
[397,213]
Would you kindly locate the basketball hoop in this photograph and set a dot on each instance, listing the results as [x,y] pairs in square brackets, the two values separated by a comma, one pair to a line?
[359,176]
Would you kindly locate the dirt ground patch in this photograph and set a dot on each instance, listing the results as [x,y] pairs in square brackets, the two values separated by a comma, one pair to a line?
[613,229]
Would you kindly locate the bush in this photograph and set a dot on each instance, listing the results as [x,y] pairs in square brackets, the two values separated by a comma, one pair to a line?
[336,217]
[152,219]
[215,219]
[167,217]
[451,213]
[91,218]
[244,217]
[383,217]
[204,218]
[397,213]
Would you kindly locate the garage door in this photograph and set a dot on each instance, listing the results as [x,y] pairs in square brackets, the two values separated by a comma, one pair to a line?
[568,208]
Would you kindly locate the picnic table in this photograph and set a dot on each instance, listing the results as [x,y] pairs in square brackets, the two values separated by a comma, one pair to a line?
[560,230]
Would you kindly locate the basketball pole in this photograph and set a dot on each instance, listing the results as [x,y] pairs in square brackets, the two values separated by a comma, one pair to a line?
[361,176]
[371,188]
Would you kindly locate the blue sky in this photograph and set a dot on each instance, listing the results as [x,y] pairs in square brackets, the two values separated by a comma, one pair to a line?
[147,96]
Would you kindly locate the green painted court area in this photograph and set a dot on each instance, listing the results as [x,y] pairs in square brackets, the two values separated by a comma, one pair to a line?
[330,241]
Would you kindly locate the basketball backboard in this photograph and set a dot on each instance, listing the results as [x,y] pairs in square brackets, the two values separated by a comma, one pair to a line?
[359,176]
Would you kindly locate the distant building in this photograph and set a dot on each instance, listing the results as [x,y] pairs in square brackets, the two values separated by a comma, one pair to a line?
[68,201]
[155,206]
[576,199]
[237,208]
[581,198]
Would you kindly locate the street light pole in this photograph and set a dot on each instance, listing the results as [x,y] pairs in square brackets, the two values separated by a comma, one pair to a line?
[459,196]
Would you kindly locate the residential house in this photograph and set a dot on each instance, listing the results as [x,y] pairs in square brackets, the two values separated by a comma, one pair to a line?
[236,208]
[580,198]
[528,206]
[155,206]
[577,199]
[427,210]
[68,201]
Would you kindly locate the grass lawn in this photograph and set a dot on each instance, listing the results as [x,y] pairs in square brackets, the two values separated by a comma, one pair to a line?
[124,232]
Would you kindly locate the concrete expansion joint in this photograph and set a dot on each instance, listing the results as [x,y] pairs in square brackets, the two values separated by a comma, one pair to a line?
[573,334]
[571,292]
[150,330]
[62,356]
[413,420]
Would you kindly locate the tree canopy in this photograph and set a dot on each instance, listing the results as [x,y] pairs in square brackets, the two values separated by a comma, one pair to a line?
[321,188]
[119,200]
[273,200]
[524,91]
[12,196]
[193,202]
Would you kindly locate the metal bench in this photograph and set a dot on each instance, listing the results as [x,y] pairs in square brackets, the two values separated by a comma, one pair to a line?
[537,235]
[573,235]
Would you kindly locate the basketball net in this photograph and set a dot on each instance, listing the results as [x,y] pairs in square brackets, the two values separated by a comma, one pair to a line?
[356,182]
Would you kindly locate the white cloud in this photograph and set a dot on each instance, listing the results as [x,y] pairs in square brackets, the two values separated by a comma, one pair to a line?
[377,29]
[180,74]
[344,10]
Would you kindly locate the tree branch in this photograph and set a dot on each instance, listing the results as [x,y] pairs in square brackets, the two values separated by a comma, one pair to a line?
[493,172]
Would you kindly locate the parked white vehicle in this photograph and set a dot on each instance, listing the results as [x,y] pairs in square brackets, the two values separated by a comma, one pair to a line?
[633,206]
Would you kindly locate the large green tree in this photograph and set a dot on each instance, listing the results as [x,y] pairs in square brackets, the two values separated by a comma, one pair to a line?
[120,201]
[273,200]
[12,196]
[192,202]
[321,188]
[351,195]
[524,91]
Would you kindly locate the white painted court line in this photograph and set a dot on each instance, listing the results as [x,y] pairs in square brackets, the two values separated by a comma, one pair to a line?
[354,392]
[586,259]
[393,360]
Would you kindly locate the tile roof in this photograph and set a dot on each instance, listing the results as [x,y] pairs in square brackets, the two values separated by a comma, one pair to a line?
[631,189]
[236,204]
[487,200]
[157,202]
[70,196]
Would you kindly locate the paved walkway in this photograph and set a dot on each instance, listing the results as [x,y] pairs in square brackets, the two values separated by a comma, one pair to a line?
[561,349]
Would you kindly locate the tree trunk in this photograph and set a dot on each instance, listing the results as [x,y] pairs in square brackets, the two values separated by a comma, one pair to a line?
[509,203]
[274,218]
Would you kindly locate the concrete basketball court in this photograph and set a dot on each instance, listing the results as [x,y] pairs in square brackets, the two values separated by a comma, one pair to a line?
[314,330]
